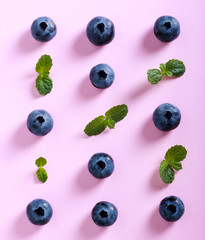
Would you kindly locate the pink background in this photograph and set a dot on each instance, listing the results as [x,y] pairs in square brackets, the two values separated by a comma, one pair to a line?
[136,146]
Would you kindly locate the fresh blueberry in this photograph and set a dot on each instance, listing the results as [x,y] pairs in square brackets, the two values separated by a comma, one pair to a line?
[102,76]
[101,165]
[166,117]
[39,212]
[39,122]
[104,214]
[171,208]
[166,28]
[100,31]
[43,29]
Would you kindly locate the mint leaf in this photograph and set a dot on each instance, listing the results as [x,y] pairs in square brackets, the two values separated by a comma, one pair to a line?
[166,172]
[173,157]
[176,153]
[112,116]
[177,166]
[174,67]
[96,126]
[44,84]
[154,76]
[110,123]
[40,162]
[44,64]
[117,113]
[163,68]
[42,175]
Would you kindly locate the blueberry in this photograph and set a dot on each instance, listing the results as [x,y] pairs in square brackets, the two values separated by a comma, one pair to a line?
[39,122]
[166,117]
[171,208]
[100,31]
[102,76]
[104,214]
[101,165]
[43,29]
[39,212]
[166,28]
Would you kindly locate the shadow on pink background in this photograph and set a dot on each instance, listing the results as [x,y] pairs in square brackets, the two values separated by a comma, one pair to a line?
[151,44]
[83,47]
[28,44]
[23,228]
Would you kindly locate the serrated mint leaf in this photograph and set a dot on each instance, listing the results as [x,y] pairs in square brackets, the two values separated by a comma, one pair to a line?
[177,166]
[44,84]
[96,126]
[117,113]
[166,172]
[42,175]
[176,153]
[44,64]
[40,162]
[174,67]
[110,123]
[154,76]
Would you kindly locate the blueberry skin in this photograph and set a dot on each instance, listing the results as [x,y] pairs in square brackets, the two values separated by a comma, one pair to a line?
[39,212]
[104,214]
[43,29]
[166,117]
[171,208]
[101,165]
[166,28]
[102,76]
[100,31]
[39,122]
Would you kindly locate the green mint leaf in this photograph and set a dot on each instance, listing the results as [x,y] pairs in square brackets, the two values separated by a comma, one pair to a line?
[117,113]
[44,84]
[166,172]
[110,123]
[42,175]
[163,68]
[154,76]
[177,166]
[96,126]
[174,67]
[40,162]
[44,64]
[176,153]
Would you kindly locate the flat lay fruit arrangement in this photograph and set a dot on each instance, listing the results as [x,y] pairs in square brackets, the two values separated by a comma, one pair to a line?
[103,136]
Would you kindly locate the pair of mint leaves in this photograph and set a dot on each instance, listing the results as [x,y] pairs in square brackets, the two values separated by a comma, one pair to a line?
[44,83]
[173,68]
[171,162]
[112,116]
[41,172]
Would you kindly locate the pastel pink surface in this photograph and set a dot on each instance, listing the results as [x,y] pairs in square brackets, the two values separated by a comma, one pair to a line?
[136,146]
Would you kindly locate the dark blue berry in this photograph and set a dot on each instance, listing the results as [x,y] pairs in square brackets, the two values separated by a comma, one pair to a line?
[171,208]
[43,29]
[39,212]
[166,117]
[166,28]
[102,76]
[39,122]
[104,214]
[100,31]
[101,165]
